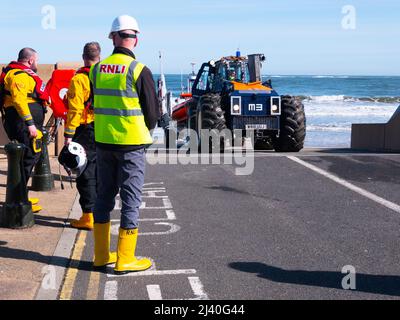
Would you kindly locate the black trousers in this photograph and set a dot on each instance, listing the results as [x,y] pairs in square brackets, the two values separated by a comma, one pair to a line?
[86,183]
[16,129]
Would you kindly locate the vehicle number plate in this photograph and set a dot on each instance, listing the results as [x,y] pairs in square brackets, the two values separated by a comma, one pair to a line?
[256,126]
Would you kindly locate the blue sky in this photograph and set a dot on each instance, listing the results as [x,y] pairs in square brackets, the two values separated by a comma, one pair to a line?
[298,37]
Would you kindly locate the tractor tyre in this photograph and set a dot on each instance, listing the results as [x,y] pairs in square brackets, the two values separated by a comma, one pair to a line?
[210,116]
[292,125]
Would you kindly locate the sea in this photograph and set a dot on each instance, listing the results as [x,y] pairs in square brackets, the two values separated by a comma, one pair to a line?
[332,103]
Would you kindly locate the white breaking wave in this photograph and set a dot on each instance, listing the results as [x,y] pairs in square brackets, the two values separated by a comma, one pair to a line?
[383,116]
[340,97]
[328,128]
[327,98]
[356,110]
[330,77]
[323,77]
[279,76]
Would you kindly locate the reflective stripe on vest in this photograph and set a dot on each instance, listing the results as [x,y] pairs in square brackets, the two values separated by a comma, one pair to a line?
[116,112]
[119,118]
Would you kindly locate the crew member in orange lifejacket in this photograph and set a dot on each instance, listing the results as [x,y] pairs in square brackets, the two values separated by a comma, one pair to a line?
[79,128]
[23,102]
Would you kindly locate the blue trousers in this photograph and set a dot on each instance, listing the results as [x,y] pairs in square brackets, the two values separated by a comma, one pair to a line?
[123,172]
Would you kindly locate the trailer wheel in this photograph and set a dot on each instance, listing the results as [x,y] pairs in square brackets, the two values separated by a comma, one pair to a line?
[293,126]
[210,116]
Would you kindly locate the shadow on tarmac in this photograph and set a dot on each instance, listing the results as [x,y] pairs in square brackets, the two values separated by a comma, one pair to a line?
[52,222]
[12,253]
[362,169]
[345,151]
[46,221]
[55,174]
[229,189]
[376,284]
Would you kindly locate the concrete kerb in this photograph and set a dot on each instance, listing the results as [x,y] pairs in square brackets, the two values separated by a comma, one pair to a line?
[54,273]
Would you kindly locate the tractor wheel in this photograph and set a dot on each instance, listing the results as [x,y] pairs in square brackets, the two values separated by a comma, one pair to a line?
[211,117]
[293,126]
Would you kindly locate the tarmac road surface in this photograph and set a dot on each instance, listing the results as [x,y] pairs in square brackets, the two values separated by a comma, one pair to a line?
[297,228]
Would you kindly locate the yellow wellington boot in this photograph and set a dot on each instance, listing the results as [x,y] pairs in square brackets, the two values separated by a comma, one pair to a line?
[102,254]
[36,208]
[85,222]
[34,201]
[127,262]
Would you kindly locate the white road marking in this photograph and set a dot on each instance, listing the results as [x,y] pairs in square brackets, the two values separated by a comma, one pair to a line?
[115,229]
[110,290]
[170,217]
[173,229]
[198,288]
[170,214]
[154,273]
[388,204]
[167,205]
[154,292]
[166,202]
[152,184]
[153,194]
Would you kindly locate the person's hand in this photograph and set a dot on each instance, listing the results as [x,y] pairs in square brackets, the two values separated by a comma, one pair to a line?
[32,131]
[67,141]
[47,103]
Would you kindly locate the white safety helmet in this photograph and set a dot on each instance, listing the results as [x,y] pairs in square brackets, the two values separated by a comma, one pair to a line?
[124,22]
[73,158]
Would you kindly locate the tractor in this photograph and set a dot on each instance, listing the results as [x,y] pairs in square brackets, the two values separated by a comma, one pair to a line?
[229,94]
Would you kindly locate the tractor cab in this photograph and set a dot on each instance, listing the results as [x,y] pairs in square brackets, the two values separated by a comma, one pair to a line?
[222,75]
[238,81]
[234,69]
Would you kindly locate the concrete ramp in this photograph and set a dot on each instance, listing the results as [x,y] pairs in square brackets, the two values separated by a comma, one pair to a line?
[377,137]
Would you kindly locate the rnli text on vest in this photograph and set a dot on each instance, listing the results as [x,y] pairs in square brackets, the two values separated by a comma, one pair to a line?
[112,68]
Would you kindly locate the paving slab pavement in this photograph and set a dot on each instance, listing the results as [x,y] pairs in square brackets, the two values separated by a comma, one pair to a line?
[24,254]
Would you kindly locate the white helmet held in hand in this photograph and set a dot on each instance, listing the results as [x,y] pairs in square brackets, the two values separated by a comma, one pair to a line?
[73,158]
[124,22]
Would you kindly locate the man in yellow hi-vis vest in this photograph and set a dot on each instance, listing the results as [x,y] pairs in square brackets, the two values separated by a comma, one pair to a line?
[79,128]
[126,110]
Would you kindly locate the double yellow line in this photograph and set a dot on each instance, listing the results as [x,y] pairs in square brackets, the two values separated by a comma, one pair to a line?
[72,272]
